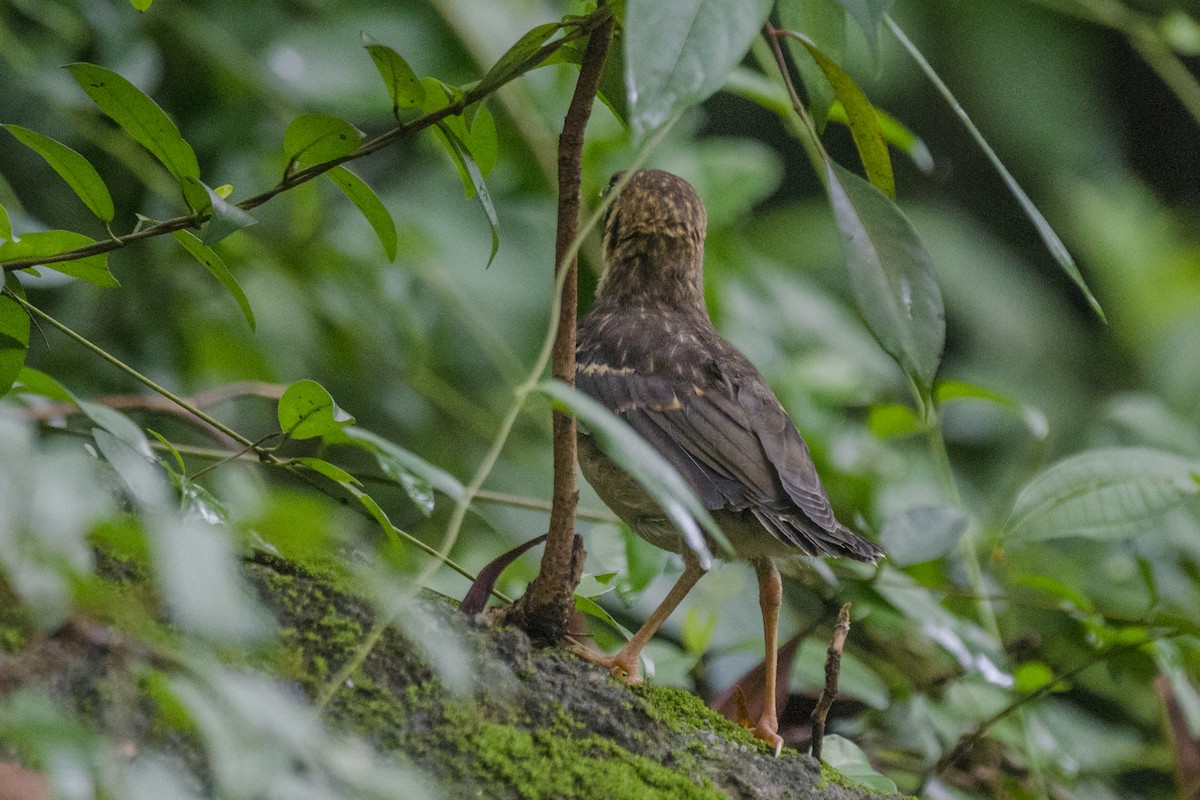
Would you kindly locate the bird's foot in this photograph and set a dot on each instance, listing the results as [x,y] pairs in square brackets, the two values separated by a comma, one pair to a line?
[623,666]
[766,730]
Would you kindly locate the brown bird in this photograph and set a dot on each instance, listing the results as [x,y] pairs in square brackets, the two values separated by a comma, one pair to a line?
[648,351]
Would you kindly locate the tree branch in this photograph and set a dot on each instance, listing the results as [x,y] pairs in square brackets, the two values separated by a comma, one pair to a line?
[833,669]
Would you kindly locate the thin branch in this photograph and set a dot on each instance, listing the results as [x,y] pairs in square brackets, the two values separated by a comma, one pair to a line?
[833,669]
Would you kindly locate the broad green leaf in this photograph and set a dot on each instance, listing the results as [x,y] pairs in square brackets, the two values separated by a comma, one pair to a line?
[892,419]
[849,759]
[225,218]
[524,47]
[863,121]
[14,334]
[868,13]
[823,22]
[317,138]
[923,534]
[891,275]
[213,263]
[897,134]
[306,410]
[139,116]
[590,607]
[1107,493]
[73,168]
[1034,419]
[634,455]
[40,244]
[465,158]
[369,204]
[34,381]
[5,225]
[402,83]
[402,466]
[1054,244]
[679,53]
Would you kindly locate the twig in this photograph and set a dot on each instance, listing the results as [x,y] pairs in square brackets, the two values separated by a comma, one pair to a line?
[546,605]
[833,668]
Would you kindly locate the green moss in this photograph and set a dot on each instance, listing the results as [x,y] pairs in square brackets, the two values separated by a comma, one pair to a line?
[682,711]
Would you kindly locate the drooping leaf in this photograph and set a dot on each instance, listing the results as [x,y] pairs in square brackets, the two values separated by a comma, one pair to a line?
[307,410]
[1107,493]
[5,225]
[478,137]
[823,22]
[402,466]
[213,263]
[868,14]
[317,138]
[923,533]
[73,168]
[14,334]
[524,47]
[364,197]
[477,596]
[402,83]
[40,244]
[139,116]
[634,455]
[891,275]
[485,198]
[896,133]
[863,121]
[1054,244]
[331,471]
[679,53]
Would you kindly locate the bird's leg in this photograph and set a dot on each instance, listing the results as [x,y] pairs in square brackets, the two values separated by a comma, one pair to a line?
[624,664]
[770,596]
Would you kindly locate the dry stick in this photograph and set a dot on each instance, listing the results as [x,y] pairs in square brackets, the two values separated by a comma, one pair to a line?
[833,668]
[545,607]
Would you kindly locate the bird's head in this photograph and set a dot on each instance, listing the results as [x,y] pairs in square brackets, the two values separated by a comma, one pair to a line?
[654,242]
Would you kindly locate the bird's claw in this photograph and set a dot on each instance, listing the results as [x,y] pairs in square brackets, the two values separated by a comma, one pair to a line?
[618,664]
[768,734]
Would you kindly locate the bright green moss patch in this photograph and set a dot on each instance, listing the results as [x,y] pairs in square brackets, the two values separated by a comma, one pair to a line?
[682,711]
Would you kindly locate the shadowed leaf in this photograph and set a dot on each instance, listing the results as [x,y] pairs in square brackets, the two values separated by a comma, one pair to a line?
[481,589]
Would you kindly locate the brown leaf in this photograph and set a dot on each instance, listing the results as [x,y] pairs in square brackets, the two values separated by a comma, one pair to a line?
[485,582]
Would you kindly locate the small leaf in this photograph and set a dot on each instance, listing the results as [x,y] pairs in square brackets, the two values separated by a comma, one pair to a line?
[864,123]
[897,134]
[33,381]
[1032,676]
[892,419]
[524,47]
[5,225]
[923,533]
[14,334]
[226,218]
[1034,419]
[1108,493]
[477,596]
[402,83]
[331,471]
[141,5]
[590,607]
[698,629]
[824,22]
[1054,244]
[891,275]
[317,138]
[679,53]
[73,168]
[40,244]
[485,198]
[139,116]
[849,759]
[634,455]
[213,263]
[369,204]
[306,410]
[868,13]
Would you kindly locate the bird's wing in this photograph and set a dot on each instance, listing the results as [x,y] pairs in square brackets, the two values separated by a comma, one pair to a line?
[737,446]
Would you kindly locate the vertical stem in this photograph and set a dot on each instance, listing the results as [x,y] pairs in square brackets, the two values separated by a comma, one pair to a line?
[544,609]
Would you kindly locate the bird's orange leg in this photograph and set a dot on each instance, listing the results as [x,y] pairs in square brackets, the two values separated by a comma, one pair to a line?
[624,664]
[770,596]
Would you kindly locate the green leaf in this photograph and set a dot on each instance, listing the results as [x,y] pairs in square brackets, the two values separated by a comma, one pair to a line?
[679,53]
[1108,493]
[369,204]
[40,244]
[306,410]
[136,470]
[479,138]
[226,218]
[524,47]
[139,116]
[14,334]
[698,629]
[593,609]
[331,471]
[34,381]
[317,138]
[1054,244]
[849,759]
[485,198]
[824,22]
[73,168]
[923,534]
[411,471]
[634,455]
[892,419]
[213,263]
[1034,419]
[891,275]
[868,13]
[863,121]
[897,134]
[5,225]
[402,83]
[1032,676]
[141,5]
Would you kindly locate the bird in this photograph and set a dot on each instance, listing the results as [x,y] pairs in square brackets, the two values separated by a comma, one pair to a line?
[648,351]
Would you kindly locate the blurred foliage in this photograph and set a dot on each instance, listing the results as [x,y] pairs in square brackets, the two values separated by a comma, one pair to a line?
[1038,497]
